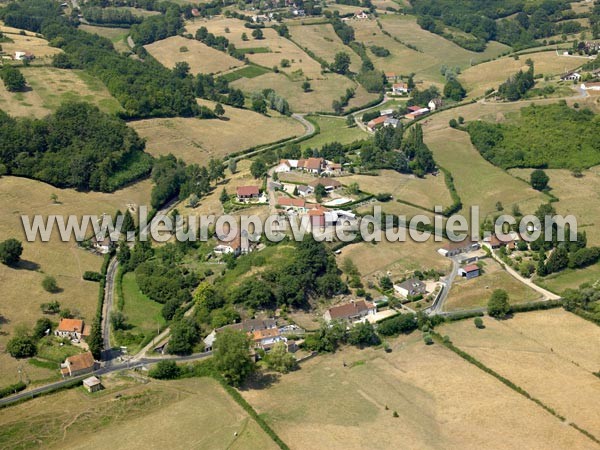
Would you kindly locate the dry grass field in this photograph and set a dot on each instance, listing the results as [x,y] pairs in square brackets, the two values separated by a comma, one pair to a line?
[346,400]
[192,413]
[395,259]
[22,291]
[323,91]
[196,141]
[570,191]
[550,354]
[27,43]
[280,47]
[478,182]
[323,42]
[426,192]
[491,74]
[475,293]
[200,57]
[433,51]
[50,87]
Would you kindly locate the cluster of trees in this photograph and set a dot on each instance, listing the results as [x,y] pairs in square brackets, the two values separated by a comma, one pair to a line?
[583,299]
[454,90]
[29,14]
[155,28]
[390,149]
[422,97]
[481,20]
[341,63]
[330,336]
[268,98]
[77,146]
[24,342]
[110,16]
[553,136]
[218,90]
[220,43]
[13,79]
[339,105]
[377,50]
[344,31]
[517,85]
[498,305]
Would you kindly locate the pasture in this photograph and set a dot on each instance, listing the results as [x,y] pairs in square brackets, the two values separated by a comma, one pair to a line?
[475,293]
[577,196]
[200,57]
[27,43]
[425,192]
[323,91]
[323,42]
[50,87]
[196,140]
[333,129]
[65,261]
[191,413]
[492,74]
[570,278]
[478,182]
[550,354]
[425,385]
[118,36]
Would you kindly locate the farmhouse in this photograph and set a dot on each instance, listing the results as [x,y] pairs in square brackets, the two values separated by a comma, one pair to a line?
[24,56]
[92,384]
[391,122]
[235,246]
[376,123]
[291,203]
[456,248]
[311,165]
[245,193]
[105,243]
[410,288]
[391,77]
[361,15]
[248,326]
[435,103]
[72,329]
[400,88]
[286,165]
[329,184]
[304,190]
[350,312]
[386,112]
[494,242]
[416,111]
[265,339]
[571,76]
[195,12]
[78,365]
[332,168]
[470,271]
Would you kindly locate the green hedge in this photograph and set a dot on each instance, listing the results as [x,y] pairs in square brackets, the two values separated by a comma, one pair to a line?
[12,389]
[456,200]
[90,275]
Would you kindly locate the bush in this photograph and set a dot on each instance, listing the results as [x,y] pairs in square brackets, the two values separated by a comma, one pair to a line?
[10,252]
[49,284]
[403,323]
[165,370]
[498,305]
[427,339]
[21,346]
[90,275]
[479,322]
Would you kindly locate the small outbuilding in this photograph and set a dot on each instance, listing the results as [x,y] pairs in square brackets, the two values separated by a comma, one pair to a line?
[92,384]
[470,271]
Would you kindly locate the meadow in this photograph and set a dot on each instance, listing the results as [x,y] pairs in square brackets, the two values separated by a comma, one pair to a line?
[200,57]
[550,354]
[65,261]
[196,141]
[424,385]
[50,87]
[475,293]
[479,78]
[118,36]
[191,413]
[27,42]
[323,42]
[333,129]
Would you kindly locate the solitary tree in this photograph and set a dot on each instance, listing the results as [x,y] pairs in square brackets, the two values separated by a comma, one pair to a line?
[118,320]
[10,252]
[22,345]
[232,165]
[165,370]
[49,284]
[280,360]
[244,37]
[219,110]
[42,326]
[257,34]
[341,63]
[232,356]
[258,168]
[306,86]
[539,179]
[320,192]
[224,196]
[13,79]
[498,305]
[479,322]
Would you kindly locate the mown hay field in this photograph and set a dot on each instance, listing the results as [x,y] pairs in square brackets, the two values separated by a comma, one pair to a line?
[323,42]
[200,57]
[475,293]
[196,140]
[50,87]
[27,43]
[192,413]
[333,129]
[479,78]
[346,400]
[550,354]
[65,261]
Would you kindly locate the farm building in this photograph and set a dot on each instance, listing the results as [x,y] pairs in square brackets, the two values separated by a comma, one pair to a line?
[494,242]
[435,103]
[391,77]
[235,246]
[416,111]
[386,112]
[311,165]
[329,184]
[350,312]
[72,329]
[372,125]
[470,271]
[590,86]
[391,122]
[456,248]
[248,326]
[304,190]
[571,76]
[410,288]
[92,384]
[78,365]
[245,193]
[400,88]
[291,203]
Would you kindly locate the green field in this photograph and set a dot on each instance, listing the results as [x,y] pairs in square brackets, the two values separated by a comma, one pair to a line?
[333,129]
[570,279]
[250,71]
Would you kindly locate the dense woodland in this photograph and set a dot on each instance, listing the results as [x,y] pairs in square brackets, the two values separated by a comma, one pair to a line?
[77,146]
[554,136]
[489,20]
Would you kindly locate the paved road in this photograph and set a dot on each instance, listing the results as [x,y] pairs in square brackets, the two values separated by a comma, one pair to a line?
[358,114]
[106,369]
[109,295]
[437,307]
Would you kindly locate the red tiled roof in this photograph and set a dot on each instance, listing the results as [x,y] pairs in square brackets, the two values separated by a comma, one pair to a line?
[295,202]
[377,121]
[263,334]
[81,362]
[399,85]
[311,163]
[471,268]
[349,309]
[244,191]
[414,108]
[71,325]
